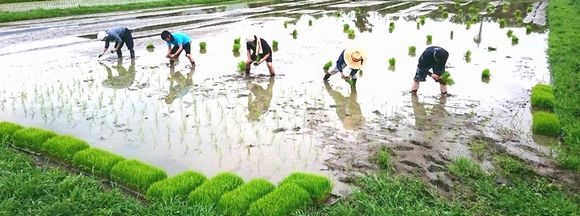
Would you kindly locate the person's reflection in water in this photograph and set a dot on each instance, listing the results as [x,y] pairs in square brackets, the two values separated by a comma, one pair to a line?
[179,85]
[260,102]
[124,79]
[432,119]
[347,108]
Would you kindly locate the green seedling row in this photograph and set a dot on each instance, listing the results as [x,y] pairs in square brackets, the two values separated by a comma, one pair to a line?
[543,97]
[64,147]
[7,129]
[319,187]
[238,201]
[136,174]
[96,161]
[179,186]
[31,138]
[211,191]
[282,201]
[546,123]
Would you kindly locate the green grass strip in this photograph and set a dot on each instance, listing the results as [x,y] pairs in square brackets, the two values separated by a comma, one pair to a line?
[564,44]
[465,169]
[282,201]
[543,96]
[211,191]
[96,161]
[318,186]
[546,123]
[238,201]
[136,174]
[7,129]
[177,187]
[31,138]
[64,147]
[61,12]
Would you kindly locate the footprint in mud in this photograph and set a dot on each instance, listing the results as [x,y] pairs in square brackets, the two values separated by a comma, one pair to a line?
[403,148]
[433,168]
[410,163]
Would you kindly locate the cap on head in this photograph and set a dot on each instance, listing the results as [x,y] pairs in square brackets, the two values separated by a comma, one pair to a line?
[250,38]
[165,34]
[102,36]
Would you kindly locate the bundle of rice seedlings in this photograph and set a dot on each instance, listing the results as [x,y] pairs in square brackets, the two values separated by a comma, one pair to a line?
[64,147]
[318,186]
[282,201]
[238,201]
[96,161]
[136,174]
[176,187]
[211,191]
[31,138]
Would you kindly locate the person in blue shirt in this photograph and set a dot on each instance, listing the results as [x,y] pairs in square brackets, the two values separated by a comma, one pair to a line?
[433,57]
[180,42]
[121,36]
[350,62]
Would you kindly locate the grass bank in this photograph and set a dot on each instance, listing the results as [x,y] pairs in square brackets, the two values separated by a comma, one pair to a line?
[48,13]
[18,1]
[564,46]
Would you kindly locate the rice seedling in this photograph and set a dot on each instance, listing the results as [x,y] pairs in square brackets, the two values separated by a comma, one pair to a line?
[490,9]
[446,77]
[242,66]
[519,19]
[238,201]
[327,65]
[515,40]
[282,201]
[275,45]
[7,129]
[202,47]
[176,187]
[285,24]
[529,9]
[237,41]
[505,7]
[136,174]
[236,47]
[468,56]
[309,22]
[211,191]
[429,39]
[518,13]
[509,33]
[31,138]
[351,34]
[391,27]
[412,51]
[294,34]
[502,23]
[543,96]
[392,62]
[418,25]
[468,25]
[546,123]
[150,46]
[345,27]
[445,15]
[422,20]
[528,29]
[485,74]
[96,161]
[440,8]
[318,186]
[451,35]
[64,147]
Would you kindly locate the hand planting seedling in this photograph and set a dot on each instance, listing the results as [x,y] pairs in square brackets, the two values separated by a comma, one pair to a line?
[485,74]
[446,78]
[429,39]
[412,50]
[434,58]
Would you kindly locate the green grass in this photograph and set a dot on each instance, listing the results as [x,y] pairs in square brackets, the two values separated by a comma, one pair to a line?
[564,44]
[446,77]
[351,34]
[47,13]
[136,174]
[502,23]
[543,97]
[392,62]
[31,138]
[211,191]
[465,169]
[19,1]
[546,123]
[64,147]
[478,148]
[485,74]
[318,186]
[282,201]
[507,165]
[202,45]
[429,39]
[7,129]
[274,45]
[176,187]
[510,33]
[345,27]
[96,161]
[412,50]
[236,47]
[150,46]
[327,65]
[238,201]
[384,158]
[515,39]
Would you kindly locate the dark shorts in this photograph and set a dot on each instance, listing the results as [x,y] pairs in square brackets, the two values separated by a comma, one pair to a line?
[421,74]
[186,47]
[269,59]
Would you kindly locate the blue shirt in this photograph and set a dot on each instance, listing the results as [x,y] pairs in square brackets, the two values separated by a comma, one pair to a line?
[178,39]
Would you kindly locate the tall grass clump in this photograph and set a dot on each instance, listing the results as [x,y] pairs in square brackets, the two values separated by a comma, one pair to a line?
[485,74]
[274,45]
[64,147]
[412,51]
[136,174]
[318,186]
[282,201]
[510,33]
[327,65]
[345,27]
[238,201]
[7,129]
[546,123]
[242,66]
[96,161]
[176,187]
[446,77]
[384,158]
[502,23]
[351,34]
[515,39]
[392,62]
[543,97]
[391,27]
[465,169]
[429,39]
[31,138]
[211,191]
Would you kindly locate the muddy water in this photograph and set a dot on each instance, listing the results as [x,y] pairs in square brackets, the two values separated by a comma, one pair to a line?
[212,119]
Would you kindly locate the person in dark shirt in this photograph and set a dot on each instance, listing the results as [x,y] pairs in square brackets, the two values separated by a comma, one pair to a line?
[258,52]
[121,36]
[433,57]
[350,61]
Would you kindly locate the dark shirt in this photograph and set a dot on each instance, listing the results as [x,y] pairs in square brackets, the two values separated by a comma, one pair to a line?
[115,34]
[341,64]
[427,60]
[265,47]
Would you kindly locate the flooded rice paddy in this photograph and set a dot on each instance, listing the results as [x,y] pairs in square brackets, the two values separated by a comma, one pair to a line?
[213,119]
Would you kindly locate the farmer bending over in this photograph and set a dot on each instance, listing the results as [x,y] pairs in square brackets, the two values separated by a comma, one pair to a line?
[180,42]
[258,52]
[120,35]
[433,57]
[349,61]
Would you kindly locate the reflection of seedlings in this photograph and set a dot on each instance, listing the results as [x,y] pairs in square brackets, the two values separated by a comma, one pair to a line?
[294,34]
[351,34]
[509,33]
[412,50]
[515,39]
[391,27]
[446,77]
[327,65]
[485,73]
[468,56]
[392,62]
[202,46]
[242,66]
[502,23]
[418,25]
[309,22]
[236,47]
[546,123]
[285,24]
[422,20]
[150,46]
[491,48]
[528,29]
[345,27]
[451,35]
[429,39]
[275,45]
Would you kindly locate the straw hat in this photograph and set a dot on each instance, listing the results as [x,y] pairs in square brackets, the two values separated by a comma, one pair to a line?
[355,57]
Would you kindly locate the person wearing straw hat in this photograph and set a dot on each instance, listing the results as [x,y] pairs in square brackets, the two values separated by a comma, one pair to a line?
[433,57]
[258,51]
[350,62]
[121,36]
